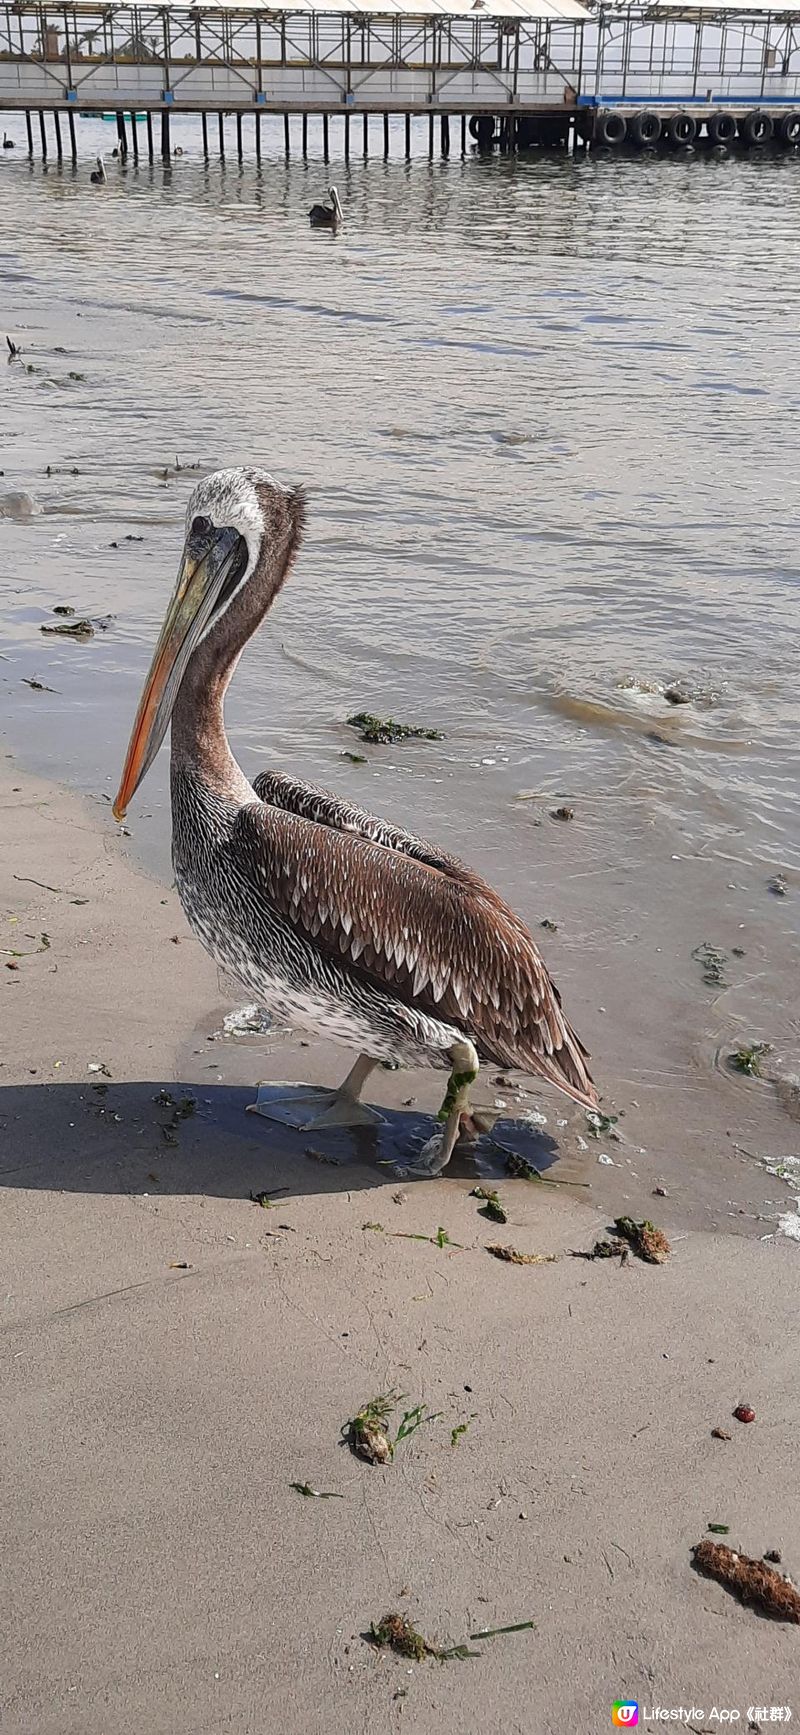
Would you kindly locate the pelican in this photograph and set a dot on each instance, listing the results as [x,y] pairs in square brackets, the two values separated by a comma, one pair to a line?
[8,144]
[327,216]
[338,922]
[98,175]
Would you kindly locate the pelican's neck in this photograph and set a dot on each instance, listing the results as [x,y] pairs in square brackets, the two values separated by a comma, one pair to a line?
[199,743]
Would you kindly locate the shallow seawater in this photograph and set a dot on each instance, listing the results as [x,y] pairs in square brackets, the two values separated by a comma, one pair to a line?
[547,412]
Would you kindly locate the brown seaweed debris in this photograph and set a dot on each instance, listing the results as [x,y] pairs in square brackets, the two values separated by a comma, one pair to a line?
[395,1632]
[70,629]
[367,1433]
[602,1250]
[647,1242]
[512,1257]
[753,1581]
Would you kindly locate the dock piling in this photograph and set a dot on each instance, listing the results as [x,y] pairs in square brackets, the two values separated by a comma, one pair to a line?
[57,121]
[430,135]
[122,135]
[366,135]
[287,140]
[29,130]
[43,135]
[204,119]
[258,136]
[221,131]
[408,137]
[386,135]
[304,135]
[134,137]
[346,137]
[239,152]
[73,143]
[150,151]
[165,145]
[445,133]
[325,136]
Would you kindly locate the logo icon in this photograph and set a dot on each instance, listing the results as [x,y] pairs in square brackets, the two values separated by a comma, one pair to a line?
[625,1714]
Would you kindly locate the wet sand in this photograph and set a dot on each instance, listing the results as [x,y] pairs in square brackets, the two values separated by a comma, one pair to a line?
[175,1356]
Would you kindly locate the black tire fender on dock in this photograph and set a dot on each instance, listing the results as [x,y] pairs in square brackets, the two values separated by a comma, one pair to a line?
[611,128]
[755,127]
[482,128]
[644,128]
[789,128]
[681,129]
[721,127]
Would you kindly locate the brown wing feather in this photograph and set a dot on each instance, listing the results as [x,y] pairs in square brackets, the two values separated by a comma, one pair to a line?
[438,939]
[312,801]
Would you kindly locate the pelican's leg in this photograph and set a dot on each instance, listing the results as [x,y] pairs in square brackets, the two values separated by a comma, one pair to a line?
[455,1112]
[310,1107]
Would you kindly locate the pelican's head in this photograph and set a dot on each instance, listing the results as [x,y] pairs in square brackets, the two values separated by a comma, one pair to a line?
[242,531]
[334,199]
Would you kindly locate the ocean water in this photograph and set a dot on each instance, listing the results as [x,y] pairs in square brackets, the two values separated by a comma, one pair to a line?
[548,413]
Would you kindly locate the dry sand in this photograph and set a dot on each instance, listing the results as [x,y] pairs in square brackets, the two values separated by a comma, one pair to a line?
[175,1356]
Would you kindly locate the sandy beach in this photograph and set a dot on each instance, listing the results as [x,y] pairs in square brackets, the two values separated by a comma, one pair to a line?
[176,1356]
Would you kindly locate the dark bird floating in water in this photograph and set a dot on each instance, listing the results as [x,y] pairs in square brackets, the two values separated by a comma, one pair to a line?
[337,921]
[327,216]
[8,144]
[98,175]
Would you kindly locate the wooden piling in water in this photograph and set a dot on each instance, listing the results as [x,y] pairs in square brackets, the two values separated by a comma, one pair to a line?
[122,135]
[134,137]
[463,135]
[366,135]
[204,120]
[304,135]
[43,135]
[408,136]
[73,143]
[258,137]
[346,137]
[57,120]
[165,145]
[221,131]
[325,137]
[239,152]
[430,135]
[386,135]
[29,129]
[287,139]
[445,135]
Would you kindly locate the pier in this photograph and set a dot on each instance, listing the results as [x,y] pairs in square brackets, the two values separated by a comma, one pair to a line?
[497,74]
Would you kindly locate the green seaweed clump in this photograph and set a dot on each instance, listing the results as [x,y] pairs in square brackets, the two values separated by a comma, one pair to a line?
[394,1632]
[492,1205]
[382,731]
[748,1058]
[367,1433]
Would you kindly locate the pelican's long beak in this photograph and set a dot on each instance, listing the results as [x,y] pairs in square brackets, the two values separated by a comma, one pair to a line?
[206,564]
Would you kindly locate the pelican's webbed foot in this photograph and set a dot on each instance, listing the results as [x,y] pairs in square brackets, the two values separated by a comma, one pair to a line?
[311,1108]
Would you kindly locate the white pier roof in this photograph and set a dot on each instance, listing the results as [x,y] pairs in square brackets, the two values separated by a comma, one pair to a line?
[558,11]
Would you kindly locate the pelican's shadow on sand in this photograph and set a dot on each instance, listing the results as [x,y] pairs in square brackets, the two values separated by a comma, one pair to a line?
[166,1138]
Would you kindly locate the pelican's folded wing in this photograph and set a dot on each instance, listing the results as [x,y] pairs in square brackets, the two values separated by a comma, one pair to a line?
[313,802]
[435,939]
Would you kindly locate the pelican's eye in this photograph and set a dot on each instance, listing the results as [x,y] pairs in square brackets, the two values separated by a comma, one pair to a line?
[201,527]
